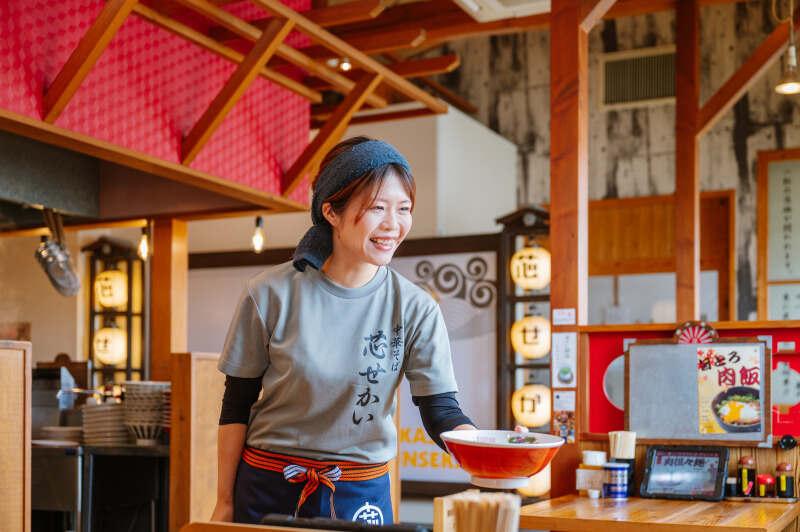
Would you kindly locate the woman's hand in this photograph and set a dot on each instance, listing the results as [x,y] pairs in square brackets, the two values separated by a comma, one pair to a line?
[223,511]
[520,428]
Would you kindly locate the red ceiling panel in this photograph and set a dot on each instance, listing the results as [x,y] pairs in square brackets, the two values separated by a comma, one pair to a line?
[149,88]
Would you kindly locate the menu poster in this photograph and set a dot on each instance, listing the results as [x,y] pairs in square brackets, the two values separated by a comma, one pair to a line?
[565,359]
[784,301]
[783,245]
[785,394]
[564,414]
[728,389]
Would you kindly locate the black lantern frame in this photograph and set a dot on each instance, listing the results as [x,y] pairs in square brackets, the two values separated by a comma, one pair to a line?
[531,223]
[110,254]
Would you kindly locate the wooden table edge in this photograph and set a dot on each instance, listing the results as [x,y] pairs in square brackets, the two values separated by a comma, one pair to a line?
[583,524]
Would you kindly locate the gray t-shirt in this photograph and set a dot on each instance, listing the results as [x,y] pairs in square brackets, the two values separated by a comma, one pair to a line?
[331,359]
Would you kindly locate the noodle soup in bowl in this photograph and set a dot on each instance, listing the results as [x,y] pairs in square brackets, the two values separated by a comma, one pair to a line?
[502,459]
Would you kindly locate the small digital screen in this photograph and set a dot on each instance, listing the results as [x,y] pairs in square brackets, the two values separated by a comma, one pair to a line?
[683,473]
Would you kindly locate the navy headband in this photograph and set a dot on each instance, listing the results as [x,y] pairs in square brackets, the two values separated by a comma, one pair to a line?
[317,244]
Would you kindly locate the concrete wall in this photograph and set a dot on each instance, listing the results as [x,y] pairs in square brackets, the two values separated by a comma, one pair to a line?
[632,151]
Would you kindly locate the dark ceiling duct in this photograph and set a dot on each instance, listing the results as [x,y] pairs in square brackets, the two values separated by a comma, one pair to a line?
[40,175]
[54,258]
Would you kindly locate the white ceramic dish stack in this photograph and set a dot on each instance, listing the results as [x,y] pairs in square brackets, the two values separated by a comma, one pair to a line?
[166,409]
[103,424]
[62,433]
[144,410]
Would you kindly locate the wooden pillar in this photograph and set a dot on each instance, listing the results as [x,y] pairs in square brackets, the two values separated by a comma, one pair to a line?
[169,269]
[687,175]
[569,114]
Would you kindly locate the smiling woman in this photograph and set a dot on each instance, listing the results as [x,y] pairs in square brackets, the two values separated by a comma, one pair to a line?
[329,344]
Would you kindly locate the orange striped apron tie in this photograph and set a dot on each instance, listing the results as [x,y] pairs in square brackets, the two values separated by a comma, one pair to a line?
[312,473]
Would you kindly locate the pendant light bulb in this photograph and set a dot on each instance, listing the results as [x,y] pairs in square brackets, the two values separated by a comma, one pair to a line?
[346,65]
[258,235]
[790,82]
[143,249]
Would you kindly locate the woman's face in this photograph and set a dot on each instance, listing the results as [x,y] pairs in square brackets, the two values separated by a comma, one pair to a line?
[384,223]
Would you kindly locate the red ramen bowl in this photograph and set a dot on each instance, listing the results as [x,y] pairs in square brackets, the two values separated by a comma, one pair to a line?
[494,462]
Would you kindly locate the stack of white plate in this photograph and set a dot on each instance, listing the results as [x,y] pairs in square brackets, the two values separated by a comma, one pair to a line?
[166,409]
[144,401]
[62,433]
[103,424]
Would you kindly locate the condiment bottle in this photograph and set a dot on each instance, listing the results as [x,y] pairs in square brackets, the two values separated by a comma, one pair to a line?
[746,478]
[784,480]
[765,483]
[730,487]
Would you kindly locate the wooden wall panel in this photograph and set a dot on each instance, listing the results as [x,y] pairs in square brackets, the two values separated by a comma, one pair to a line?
[197,389]
[636,235]
[15,436]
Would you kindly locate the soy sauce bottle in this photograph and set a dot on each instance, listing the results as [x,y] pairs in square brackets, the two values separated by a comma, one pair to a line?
[746,478]
[784,480]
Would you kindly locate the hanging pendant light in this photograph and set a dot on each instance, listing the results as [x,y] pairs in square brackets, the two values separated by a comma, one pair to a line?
[143,249]
[790,82]
[258,235]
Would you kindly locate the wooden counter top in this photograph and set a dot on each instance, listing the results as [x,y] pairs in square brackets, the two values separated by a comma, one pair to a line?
[656,515]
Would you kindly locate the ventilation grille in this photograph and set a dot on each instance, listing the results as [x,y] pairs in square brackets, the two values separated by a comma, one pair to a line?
[640,77]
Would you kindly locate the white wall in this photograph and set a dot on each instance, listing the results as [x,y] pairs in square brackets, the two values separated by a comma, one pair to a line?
[476,175]
[416,139]
[26,295]
[233,234]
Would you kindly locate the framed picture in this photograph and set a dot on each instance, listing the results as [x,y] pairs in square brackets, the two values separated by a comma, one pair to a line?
[716,393]
[685,472]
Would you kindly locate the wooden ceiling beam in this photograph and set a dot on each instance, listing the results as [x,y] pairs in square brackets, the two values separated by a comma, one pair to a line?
[356,11]
[440,90]
[414,68]
[84,57]
[359,58]
[297,58]
[593,11]
[190,34]
[444,21]
[330,133]
[454,99]
[431,66]
[320,113]
[740,82]
[374,43]
[235,87]
[349,13]
[71,140]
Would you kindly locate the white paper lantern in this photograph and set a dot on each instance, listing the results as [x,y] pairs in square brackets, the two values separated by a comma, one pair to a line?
[111,288]
[531,405]
[530,336]
[530,268]
[109,346]
[538,484]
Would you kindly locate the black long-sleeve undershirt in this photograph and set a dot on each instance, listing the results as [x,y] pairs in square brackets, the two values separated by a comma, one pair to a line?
[439,412]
